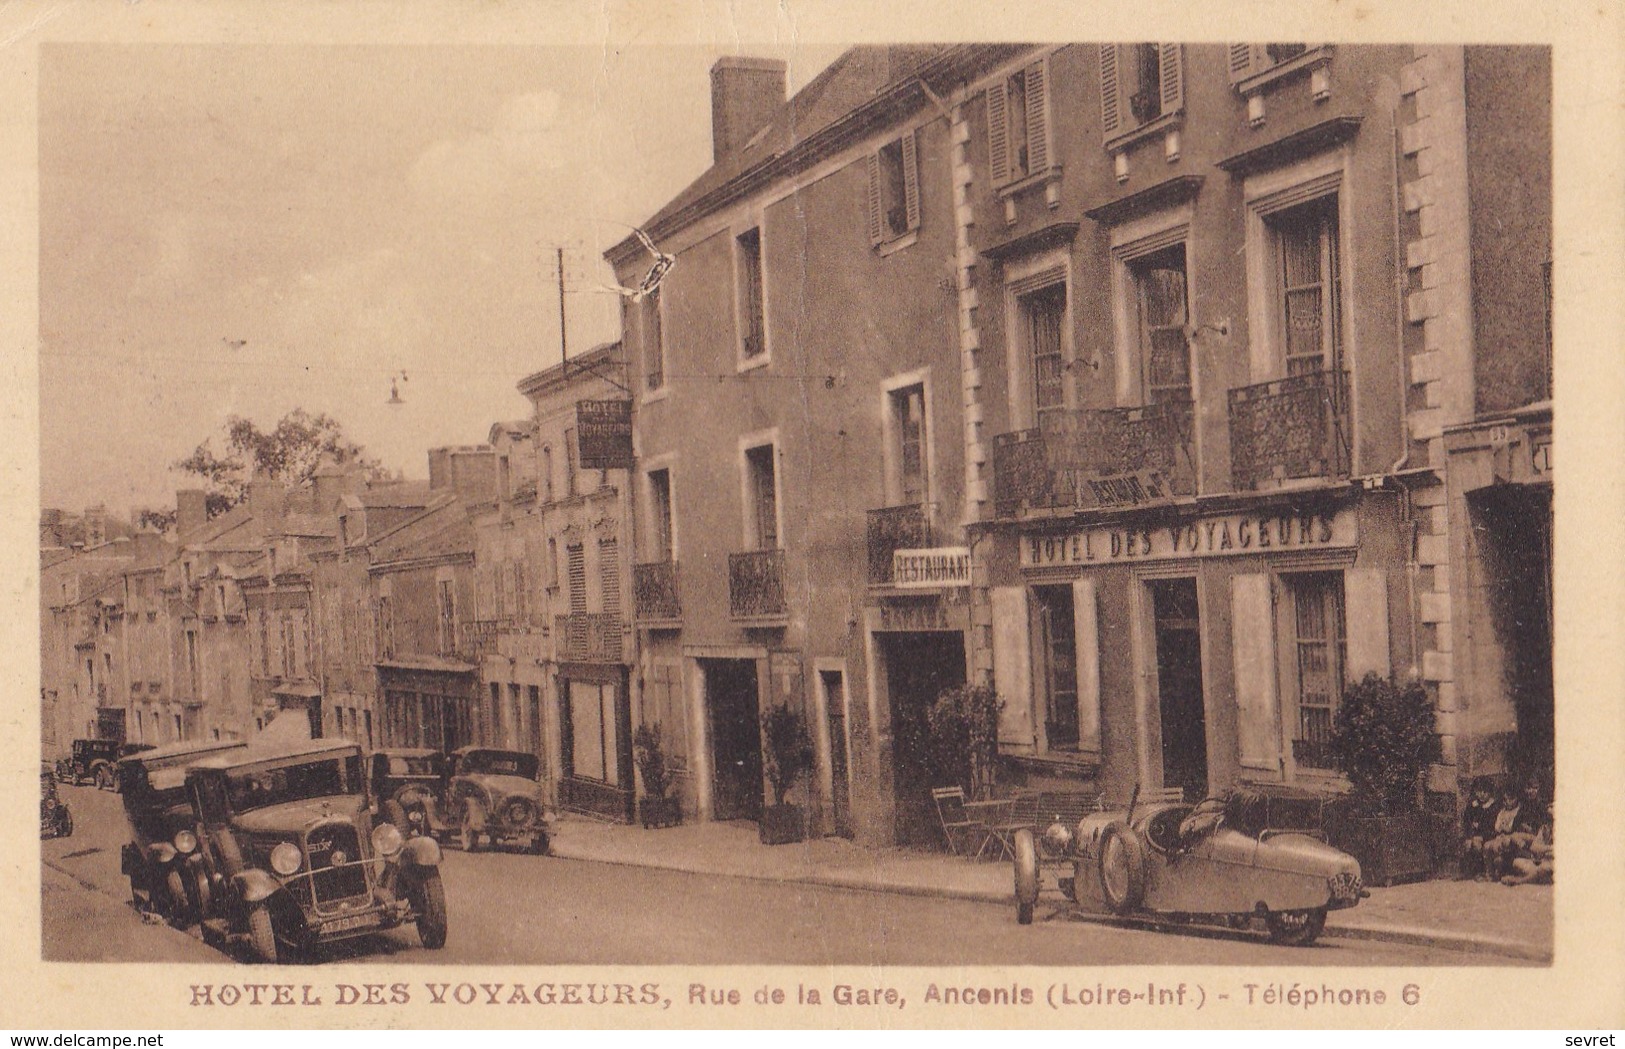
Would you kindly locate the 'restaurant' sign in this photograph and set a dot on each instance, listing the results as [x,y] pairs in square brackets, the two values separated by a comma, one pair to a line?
[936,566]
[604,435]
[1265,533]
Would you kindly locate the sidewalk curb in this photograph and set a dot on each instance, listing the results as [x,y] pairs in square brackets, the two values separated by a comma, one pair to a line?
[1413,935]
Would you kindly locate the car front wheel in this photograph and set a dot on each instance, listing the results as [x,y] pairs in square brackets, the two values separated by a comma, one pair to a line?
[177,906]
[1122,868]
[1026,864]
[1295,928]
[261,933]
[428,899]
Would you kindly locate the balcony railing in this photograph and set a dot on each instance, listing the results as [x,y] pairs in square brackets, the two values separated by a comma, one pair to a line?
[756,586]
[1083,459]
[584,637]
[1291,428]
[654,592]
[892,529]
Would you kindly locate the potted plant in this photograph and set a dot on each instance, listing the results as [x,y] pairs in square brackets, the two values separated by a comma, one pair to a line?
[1383,739]
[657,807]
[963,735]
[787,755]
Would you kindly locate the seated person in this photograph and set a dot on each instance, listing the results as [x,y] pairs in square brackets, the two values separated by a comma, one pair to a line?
[1534,865]
[1515,826]
[1478,827]
[1242,809]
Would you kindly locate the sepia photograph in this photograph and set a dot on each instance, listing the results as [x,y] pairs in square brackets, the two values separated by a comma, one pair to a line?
[856,504]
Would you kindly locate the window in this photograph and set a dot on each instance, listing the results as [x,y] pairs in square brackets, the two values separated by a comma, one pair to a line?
[569,462]
[194,679]
[1321,651]
[761,491]
[547,473]
[577,557]
[908,438]
[894,190]
[1018,124]
[1307,308]
[447,601]
[1247,60]
[1043,313]
[753,333]
[533,722]
[287,646]
[386,627]
[1159,281]
[593,731]
[1058,648]
[660,513]
[654,350]
[551,565]
[609,576]
[1139,84]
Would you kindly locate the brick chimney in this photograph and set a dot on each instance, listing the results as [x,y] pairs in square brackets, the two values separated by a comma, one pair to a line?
[191,510]
[745,93]
[266,501]
[331,483]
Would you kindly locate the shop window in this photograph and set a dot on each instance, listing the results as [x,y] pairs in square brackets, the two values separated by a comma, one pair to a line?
[1308,310]
[1058,653]
[894,190]
[1320,641]
[592,731]
[1139,85]
[761,485]
[753,329]
[1018,124]
[1159,281]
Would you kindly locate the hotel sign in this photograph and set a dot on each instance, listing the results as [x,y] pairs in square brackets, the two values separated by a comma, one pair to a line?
[604,435]
[1231,534]
[932,567]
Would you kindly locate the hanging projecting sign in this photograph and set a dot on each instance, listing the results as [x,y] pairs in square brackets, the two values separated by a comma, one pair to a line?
[604,435]
[1262,533]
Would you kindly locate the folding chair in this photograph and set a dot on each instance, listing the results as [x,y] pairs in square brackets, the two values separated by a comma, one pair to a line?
[965,836]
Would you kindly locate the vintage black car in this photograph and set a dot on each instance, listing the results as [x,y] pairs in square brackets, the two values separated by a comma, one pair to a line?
[409,786]
[96,761]
[495,795]
[168,873]
[55,821]
[296,860]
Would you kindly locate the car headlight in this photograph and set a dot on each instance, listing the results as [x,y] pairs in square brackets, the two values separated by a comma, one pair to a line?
[386,839]
[185,842]
[286,859]
[1057,839]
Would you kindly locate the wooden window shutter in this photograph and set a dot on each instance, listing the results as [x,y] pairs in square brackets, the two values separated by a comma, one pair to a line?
[998,134]
[1086,638]
[1012,665]
[1037,122]
[1173,78]
[911,180]
[1245,60]
[874,198]
[1111,101]
[1365,595]
[1252,632]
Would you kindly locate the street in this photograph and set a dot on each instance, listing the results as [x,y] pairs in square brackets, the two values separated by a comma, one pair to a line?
[547,911]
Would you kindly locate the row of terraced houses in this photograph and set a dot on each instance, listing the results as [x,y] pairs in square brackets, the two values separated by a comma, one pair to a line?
[1165,388]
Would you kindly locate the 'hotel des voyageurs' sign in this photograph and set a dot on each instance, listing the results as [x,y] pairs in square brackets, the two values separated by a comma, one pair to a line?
[1224,536]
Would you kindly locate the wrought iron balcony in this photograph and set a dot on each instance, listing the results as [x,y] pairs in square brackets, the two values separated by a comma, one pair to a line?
[756,586]
[1290,428]
[1083,459]
[654,592]
[892,529]
[584,637]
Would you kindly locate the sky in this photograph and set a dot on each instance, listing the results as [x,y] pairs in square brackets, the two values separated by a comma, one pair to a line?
[246,229]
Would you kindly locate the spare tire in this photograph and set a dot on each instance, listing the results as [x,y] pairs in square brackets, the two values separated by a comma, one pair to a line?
[1122,868]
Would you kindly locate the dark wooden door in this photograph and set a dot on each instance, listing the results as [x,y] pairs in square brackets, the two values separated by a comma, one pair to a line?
[736,738]
[1179,685]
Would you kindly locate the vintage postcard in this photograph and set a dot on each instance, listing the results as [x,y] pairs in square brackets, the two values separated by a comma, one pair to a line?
[559,515]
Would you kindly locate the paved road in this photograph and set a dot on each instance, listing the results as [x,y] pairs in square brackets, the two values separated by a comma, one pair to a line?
[544,910]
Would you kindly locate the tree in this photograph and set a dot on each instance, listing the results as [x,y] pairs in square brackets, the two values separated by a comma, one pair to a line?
[162,521]
[290,453]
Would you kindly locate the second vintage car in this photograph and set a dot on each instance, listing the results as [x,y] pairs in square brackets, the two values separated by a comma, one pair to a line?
[168,873]
[495,795]
[409,786]
[1223,862]
[95,761]
[296,859]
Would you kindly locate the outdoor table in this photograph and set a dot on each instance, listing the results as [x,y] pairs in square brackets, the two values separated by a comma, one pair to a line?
[994,814]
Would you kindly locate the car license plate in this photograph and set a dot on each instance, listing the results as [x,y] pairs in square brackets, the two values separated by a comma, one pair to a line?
[355,921]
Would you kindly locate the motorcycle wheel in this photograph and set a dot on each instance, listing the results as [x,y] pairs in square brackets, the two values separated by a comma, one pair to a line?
[1122,868]
[1295,928]
[1026,864]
